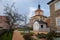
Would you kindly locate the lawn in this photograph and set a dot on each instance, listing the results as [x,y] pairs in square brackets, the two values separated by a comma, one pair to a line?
[6,36]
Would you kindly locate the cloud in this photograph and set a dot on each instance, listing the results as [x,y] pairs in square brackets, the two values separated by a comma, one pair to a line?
[1,9]
[14,0]
[31,11]
[24,6]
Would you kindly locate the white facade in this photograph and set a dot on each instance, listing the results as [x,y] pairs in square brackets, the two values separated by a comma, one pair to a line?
[40,27]
[36,26]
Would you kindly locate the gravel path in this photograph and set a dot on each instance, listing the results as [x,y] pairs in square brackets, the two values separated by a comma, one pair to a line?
[17,35]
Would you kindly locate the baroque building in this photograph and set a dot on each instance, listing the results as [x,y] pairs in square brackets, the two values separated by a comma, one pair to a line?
[38,16]
[39,22]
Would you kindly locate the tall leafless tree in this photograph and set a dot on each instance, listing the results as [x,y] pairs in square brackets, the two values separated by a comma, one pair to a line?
[13,15]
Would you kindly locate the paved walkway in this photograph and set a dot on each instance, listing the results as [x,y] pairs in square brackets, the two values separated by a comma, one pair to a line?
[17,35]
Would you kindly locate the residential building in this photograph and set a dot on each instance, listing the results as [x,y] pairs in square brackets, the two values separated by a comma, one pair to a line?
[55,15]
[3,22]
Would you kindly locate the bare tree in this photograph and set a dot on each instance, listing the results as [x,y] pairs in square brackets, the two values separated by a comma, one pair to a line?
[25,19]
[26,23]
[13,16]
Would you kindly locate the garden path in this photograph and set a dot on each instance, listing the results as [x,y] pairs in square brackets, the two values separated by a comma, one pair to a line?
[17,35]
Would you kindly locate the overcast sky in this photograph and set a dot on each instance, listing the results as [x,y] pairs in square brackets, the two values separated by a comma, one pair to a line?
[27,6]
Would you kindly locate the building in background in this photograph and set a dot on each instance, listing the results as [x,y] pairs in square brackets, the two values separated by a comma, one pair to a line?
[55,15]
[3,22]
[39,22]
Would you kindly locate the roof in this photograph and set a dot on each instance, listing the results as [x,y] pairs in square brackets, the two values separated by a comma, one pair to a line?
[41,22]
[41,15]
[39,10]
[50,1]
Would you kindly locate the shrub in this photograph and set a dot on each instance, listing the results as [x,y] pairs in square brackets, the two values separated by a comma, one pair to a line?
[6,36]
[27,36]
[51,35]
[41,35]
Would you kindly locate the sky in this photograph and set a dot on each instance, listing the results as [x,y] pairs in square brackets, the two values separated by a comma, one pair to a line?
[26,6]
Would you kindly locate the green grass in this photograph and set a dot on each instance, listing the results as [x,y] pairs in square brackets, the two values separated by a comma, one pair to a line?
[6,36]
[23,33]
[23,29]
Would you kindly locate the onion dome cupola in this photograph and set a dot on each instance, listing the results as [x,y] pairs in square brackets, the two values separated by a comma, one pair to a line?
[39,11]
